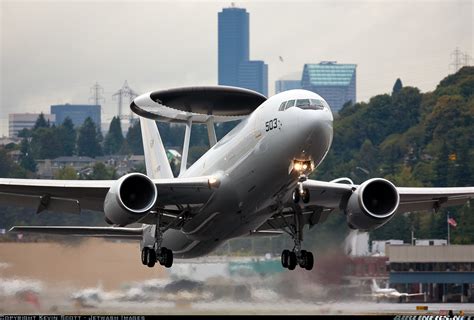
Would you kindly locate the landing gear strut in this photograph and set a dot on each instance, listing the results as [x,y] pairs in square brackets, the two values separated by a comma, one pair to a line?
[303,258]
[156,253]
[300,192]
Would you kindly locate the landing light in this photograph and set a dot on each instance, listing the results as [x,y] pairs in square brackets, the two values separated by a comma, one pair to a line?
[213,182]
[303,166]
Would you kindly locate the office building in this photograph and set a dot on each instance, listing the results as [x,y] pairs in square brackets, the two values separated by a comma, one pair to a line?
[253,75]
[284,85]
[444,272]
[234,65]
[335,82]
[78,113]
[20,121]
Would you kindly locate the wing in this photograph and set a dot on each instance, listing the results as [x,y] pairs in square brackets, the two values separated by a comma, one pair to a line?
[76,195]
[334,195]
[328,196]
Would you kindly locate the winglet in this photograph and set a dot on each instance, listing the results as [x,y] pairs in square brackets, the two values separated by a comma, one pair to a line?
[156,161]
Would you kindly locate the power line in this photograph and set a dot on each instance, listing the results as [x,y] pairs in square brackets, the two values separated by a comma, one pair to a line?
[122,93]
[460,59]
[97,92]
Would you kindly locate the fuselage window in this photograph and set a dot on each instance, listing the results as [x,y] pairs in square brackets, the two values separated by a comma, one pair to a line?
[290,104]
[282,106]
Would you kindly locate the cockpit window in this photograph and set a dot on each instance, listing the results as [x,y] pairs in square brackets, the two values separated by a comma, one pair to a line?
[282,106]
[290,104]
[312,104]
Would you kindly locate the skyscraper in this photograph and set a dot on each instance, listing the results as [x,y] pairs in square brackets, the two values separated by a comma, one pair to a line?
[284,85]
[253,75]
[233,34]
[234,66]
[335,82]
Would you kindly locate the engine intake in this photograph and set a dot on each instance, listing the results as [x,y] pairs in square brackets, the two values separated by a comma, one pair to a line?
[372,205]
[129,199]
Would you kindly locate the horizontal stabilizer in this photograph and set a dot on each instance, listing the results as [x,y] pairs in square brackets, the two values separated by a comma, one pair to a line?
[101,232]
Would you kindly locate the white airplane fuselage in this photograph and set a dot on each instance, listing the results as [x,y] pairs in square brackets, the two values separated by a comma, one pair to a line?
[254,165]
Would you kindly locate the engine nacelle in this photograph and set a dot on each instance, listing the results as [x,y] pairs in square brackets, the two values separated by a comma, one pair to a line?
[372,205]
[129,199]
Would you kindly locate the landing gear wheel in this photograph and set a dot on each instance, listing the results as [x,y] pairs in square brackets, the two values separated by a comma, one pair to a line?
[168,258]
[144,256]
[305,195]
[292,260]
[284,258]
[165,257]
[151,258]
[306,260]
[296,196]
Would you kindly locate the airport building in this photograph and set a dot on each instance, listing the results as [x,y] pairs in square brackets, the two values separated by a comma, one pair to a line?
[333,81]
[20,121]
[444,272]
[234,66]
[284,85]
[78,113]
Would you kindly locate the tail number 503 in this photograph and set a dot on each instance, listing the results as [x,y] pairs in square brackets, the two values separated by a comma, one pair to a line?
[270,125]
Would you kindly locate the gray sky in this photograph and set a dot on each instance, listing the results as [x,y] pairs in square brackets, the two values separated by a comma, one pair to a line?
[54,51]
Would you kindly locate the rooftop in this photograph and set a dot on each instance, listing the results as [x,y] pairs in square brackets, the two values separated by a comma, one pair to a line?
[329,73]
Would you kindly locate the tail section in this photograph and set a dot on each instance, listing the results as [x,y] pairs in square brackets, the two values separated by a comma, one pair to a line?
[156,161]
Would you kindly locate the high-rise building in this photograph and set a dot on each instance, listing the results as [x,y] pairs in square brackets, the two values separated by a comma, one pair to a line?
[234,66]
[78,113]
[233,37]
[20,121]
[335,82]
[253,75]
[284,85]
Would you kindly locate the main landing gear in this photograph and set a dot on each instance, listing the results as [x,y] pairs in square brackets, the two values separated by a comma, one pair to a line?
[163,255]
[303,258]
[152,251]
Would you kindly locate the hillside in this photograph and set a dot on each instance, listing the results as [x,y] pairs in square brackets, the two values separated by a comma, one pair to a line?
[413,139]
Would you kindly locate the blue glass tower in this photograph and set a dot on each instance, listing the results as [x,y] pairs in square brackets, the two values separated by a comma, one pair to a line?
[233,37]
[235,68]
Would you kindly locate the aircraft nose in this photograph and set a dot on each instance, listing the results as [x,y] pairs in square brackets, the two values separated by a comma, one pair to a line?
[316,128]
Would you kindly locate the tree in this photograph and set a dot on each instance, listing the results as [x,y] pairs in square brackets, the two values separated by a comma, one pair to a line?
[41,122]
[46,143]
[27,161]
[397,87]
[66,173]
[68,137]
[134,139]
[88,140]
[102,172]
[114,138]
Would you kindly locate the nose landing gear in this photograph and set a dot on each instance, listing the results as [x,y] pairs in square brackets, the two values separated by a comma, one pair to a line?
[303,258]
[301,193]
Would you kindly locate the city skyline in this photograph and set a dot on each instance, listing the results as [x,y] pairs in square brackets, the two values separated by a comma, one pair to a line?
[44,65]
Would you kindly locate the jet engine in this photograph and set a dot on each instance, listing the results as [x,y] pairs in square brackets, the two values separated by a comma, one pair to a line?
[372,205]
[129,199]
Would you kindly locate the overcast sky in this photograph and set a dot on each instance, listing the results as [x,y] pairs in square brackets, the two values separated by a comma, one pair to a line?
[54,51]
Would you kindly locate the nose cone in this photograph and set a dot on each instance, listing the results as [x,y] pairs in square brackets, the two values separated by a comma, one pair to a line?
[316,127]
